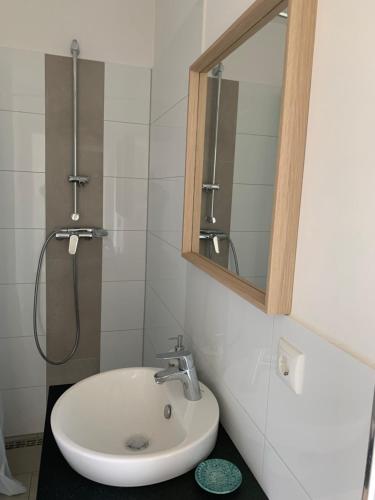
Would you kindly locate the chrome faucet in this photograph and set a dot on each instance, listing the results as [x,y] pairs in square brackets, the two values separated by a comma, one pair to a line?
[185,372]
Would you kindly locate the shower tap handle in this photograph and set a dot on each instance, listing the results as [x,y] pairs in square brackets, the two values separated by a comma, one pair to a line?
[215,241]
[73,244]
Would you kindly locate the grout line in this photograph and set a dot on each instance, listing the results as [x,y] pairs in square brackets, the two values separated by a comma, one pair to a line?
[24,387]
[167,308]
[12,170]
[123,281]
[30,335]
[139,124]
[163,240]
[258,135]
[22,112]
[167,110]
[251,231]
[268,392]
[23,228]
[251,184]
[126,230]
[21,283]
[147,222]
[287,467]
[123,332]
[172,177]
[125,177]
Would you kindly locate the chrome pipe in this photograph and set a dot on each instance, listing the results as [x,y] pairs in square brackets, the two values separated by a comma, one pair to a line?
[74,49]
[369,483]
[218,73]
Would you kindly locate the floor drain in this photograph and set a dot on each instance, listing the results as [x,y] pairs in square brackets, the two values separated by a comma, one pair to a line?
[137,442]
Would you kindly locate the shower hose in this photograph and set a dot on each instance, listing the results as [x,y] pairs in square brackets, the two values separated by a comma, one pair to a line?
[234,253]
[76,305]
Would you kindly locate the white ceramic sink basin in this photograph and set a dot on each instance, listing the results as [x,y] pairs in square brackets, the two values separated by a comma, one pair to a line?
[111,428]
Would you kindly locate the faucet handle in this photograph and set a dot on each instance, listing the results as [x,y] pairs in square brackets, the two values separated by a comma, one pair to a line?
[179,345]
[185,358]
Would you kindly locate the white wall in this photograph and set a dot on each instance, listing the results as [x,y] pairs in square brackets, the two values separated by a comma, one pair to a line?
[304,447]
[119,31]
[335,271]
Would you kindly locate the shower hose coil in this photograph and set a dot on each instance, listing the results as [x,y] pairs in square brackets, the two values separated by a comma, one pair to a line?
[76,305]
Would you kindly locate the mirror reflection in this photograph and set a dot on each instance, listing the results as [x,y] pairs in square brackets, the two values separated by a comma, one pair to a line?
[240,151]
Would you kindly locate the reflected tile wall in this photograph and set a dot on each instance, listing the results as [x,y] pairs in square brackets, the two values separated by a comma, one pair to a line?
[22,229]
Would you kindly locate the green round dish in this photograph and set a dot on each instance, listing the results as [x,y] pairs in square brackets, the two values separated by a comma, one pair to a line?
[218,476]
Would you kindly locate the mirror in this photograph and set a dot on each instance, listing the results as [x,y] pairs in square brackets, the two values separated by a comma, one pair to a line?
[243,100]
[246,136]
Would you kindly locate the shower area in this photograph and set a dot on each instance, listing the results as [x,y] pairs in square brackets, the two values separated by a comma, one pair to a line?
[74,153]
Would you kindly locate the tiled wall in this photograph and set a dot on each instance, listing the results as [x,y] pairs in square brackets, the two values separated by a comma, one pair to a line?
[126,151]
[254,175]
[311,446]
[22,228]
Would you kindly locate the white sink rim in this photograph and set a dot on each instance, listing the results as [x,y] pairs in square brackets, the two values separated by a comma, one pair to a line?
[191,443]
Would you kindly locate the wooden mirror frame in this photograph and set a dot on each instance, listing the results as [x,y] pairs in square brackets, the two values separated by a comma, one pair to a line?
[277,298]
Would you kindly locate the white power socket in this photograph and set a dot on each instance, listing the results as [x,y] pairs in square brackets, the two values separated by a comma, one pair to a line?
[290,365]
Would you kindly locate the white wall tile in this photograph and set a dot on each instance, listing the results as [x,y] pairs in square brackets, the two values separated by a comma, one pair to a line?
[258,109]
[166,274]
[120,349]
[160,324]
[124,256]
[251,208]
[277,481]
[255,159]
[16,310]
[124,203]
[24,410]
[149,354]
[165,209]
[125,150]
[22,141]
[322,434]
[22,200]
[122,305]
[168,143]
[244,434]
[232,340]
[252,252]
[127,94]
[21,80]
[20,363]
[176,47]
[19,253]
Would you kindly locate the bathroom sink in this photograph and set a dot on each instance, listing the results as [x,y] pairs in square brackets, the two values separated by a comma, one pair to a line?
[113,427]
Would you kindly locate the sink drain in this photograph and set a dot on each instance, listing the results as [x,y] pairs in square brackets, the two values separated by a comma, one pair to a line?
[137,442]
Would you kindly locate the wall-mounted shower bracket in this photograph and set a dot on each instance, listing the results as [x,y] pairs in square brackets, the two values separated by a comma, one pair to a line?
[210,187]
[81,180]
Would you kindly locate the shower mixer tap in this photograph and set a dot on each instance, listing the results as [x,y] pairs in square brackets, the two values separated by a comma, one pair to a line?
[74,234]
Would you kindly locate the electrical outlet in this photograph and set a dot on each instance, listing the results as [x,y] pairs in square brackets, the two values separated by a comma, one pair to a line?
[290,365]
